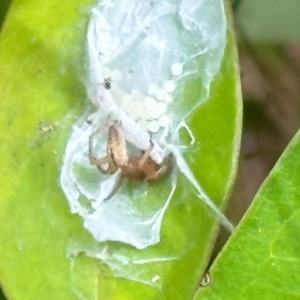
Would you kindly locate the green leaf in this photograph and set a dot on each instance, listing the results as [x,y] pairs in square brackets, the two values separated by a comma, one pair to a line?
[261,259]
[45,251]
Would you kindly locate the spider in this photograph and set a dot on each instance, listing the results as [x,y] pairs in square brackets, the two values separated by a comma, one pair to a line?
[141,167]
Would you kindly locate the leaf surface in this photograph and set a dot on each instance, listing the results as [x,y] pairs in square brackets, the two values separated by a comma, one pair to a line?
[42,73]
[261,259]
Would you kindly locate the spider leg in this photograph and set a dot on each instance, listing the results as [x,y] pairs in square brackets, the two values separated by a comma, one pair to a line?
[158,174]
[145,157]
[150,167]
[112,167]
[154,171]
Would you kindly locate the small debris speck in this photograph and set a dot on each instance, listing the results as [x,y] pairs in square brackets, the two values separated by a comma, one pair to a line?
[205,281]
[155,278]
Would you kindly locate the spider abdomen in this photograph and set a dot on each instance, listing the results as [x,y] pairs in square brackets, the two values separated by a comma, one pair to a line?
[132,170]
